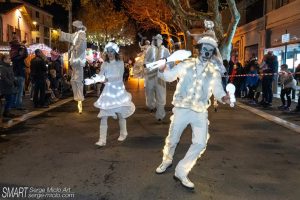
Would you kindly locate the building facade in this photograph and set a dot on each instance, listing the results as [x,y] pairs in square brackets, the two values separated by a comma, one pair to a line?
[269,25]
[31,23]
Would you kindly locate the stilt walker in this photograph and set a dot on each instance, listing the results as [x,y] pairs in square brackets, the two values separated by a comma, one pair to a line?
[77,60]
[155,89]
[199,78]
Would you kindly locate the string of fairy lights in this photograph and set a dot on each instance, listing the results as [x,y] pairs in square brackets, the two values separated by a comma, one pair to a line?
[101,39]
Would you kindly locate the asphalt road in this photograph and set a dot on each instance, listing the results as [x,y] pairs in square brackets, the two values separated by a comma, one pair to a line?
[247,156]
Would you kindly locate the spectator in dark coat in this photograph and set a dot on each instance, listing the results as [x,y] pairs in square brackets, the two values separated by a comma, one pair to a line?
[269,66]
[7,84]
[235,79]
[39,75]
[19,72]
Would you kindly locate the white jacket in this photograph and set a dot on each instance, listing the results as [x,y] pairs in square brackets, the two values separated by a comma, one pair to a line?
[78,48]
[197,82]
[154,54]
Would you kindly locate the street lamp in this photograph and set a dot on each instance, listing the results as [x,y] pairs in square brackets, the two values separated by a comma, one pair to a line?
[19,17]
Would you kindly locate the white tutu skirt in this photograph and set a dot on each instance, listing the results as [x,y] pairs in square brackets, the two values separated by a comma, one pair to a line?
[115,99]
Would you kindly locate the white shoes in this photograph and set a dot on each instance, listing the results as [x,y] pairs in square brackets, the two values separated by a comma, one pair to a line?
[163,167]
[122,137]
[102,137]
[100,144]
[185,181]
[123,130]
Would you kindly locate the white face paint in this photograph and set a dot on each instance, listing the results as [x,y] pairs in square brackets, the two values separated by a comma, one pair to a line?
[157,42]
[206,52]
[111,53]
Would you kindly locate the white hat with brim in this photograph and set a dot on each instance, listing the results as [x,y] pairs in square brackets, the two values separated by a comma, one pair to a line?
[112,45]
[78,24]
[208,40]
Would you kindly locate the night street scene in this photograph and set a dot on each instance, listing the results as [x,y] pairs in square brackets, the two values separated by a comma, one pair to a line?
[150,99]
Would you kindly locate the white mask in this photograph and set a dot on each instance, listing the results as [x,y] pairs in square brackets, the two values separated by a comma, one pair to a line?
[206,52]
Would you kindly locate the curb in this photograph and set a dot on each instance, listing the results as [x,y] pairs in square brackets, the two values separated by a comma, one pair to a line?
[277,120]
[23,118]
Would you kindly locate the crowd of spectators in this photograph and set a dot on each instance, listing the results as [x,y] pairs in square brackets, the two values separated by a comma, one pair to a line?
[255,81]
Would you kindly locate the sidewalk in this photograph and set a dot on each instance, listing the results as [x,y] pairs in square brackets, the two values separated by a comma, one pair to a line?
[30,111]
[274,111]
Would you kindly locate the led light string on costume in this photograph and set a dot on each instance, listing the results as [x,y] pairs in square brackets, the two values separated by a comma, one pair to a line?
[197,84]
[115,102]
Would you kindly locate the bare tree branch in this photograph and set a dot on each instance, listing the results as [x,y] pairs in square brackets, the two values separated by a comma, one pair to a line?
[235,18]
[213,6]
[190,14]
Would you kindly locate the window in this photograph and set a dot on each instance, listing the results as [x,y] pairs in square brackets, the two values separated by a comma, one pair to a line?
[37,27]
[37,14]
[250,52]
[10,30]
[46,32]
[47,42]
[26,37]
[37,40]
[254,11]
[18,34]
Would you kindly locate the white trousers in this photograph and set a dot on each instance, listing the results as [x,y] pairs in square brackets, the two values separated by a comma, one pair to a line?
[104,126]
[155,90]
[179,121]
[77,88]
[77,82]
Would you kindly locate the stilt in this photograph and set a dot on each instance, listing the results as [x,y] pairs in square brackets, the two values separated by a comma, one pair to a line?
[79,105]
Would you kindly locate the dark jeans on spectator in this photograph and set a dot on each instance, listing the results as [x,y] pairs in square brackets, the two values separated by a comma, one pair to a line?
[39,92]
[267,89]
[18,97]
[251,92]
[8,102]
[243,88]
[286,92]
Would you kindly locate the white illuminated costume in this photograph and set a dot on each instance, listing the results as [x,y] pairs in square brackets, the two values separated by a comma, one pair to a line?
[155,89]
[77,59]
[114,101]
[199,78]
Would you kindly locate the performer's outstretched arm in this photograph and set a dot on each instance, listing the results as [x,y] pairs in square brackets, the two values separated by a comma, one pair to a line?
[66,37]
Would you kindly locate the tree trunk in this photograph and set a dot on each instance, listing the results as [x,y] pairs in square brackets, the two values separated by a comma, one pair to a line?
[225,50]
[226,45]
[189,45]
